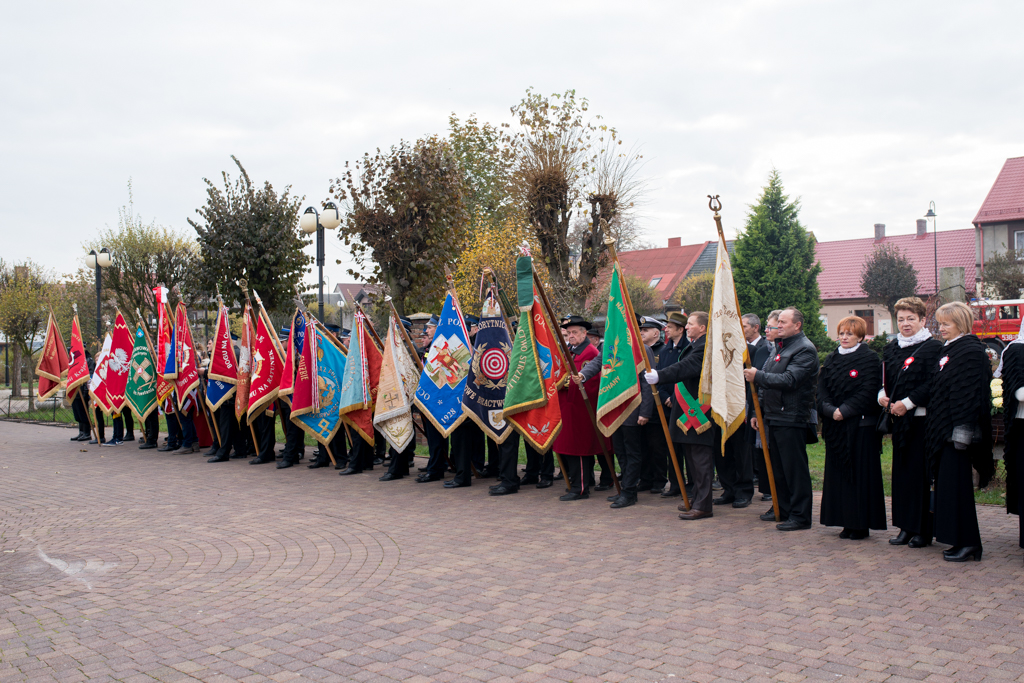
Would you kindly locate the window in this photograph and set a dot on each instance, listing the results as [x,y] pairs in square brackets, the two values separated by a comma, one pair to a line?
[655,281]
[1018,239]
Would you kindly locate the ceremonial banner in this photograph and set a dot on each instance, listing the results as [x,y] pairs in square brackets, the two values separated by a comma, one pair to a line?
[484,399]
[140,391]
[531,397]
[223,364]
[265,376]
[118,363]
[164,342]
[98,384]
[694,414]
[218,392]
[306,395]
[392,414]
[53,364]
[295,334]
[721,379]
[78,370]
[187,377]
[445,369]
[323,423]
[244,362]
[619,394]
[361,380]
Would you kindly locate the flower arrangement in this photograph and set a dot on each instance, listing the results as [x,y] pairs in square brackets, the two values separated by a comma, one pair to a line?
[996,387]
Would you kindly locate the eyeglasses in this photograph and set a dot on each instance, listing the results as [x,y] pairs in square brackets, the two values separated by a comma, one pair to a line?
[770,328]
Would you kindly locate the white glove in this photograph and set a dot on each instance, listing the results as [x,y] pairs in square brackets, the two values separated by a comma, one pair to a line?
[651,377]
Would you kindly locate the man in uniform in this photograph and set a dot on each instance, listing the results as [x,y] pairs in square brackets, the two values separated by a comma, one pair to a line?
[698,447]
[578,443]
[668,354]
[785,388]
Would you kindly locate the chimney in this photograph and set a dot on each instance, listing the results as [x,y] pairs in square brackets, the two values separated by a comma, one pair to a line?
[922,227]
[879,232]
[675,241]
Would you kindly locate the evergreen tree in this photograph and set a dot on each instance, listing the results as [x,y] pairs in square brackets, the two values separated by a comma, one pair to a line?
[773,262]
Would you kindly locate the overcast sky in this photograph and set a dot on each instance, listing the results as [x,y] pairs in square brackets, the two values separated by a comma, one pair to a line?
[869,110]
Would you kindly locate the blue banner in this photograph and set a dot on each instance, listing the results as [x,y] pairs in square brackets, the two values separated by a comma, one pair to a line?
[445,370]
[484,398]
[217,392]
[330,368]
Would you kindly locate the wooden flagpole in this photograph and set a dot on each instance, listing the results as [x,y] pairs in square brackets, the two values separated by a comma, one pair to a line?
[631,315]
[746,364]
[244,284]
[569,363]
[88,412]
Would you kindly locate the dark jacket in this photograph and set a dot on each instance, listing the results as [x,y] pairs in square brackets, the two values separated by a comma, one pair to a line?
[645,409]
[667,355]
[687,371]
[758,354]
[785,385]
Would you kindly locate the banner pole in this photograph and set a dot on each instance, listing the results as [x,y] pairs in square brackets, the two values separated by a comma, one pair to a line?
[746,364]
[631,315]
[569,363]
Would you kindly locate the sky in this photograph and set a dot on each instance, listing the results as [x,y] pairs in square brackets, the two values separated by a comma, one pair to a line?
[868,110]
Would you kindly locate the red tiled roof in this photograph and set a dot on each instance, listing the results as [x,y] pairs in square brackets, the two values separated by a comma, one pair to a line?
[348,290]
[1005,201]
[842,260]
[671,264]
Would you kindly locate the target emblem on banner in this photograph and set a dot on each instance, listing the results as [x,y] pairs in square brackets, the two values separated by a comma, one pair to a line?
[494,364]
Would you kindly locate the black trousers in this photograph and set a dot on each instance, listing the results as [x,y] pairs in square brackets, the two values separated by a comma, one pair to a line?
[362,454]
[227,425]
[124,426]
[788,448]
[467,447]
[701,464]
[263,425]
[655,467]
[629,445]
[508,461]
[380,448]
[294,439]
[539,466]
[493,455]
[757,457]
[152,427]
[606,473]
[911,485]
[956,517]
[581,472]
[188,430]
[735,469]
[400,461]
[437,446]
[81,413]
[173,430]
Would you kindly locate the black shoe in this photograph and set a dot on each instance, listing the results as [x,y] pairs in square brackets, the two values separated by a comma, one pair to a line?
[657,489]
[919,542]
[903,538]
[147,446]
[623,502]
[426,478]
[845,533]
[766,497]
[261,461]
[389,477]
[603,487]
[453,484]
[76,438]
[422,469]
[348,471]
[741,502]
[129,438]
[316,464]
[858,534]
[544,483]
[612,499]
[212,451]
[529,481]
[83,437]
[558,477]
[378,461]
[716,485]
[217,459]
[574,496]
[723,500]
[792,525]
[962,554]
[284,463]
[239,456]
[504,490]
[769,516]
[671,493]
[168,448]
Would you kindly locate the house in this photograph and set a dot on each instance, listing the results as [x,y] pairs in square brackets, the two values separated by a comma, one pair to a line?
[999,224]
[842,261]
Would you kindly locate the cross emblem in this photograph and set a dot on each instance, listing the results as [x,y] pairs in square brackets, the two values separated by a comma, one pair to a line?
[141,370]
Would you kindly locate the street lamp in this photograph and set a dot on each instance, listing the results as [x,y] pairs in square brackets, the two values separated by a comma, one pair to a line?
[98,260]
[935,241]
[311,222]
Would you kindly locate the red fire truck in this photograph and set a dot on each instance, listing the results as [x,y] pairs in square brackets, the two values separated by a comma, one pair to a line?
[997,322]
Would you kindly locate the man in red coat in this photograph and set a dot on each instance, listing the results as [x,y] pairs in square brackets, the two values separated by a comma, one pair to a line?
[577,442]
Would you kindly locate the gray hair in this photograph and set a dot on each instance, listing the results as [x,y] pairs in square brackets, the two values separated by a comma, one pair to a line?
[775,314]
[752,320]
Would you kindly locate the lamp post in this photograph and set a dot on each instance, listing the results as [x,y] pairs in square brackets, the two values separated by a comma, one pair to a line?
[935,242]
[98,260]
[311,222]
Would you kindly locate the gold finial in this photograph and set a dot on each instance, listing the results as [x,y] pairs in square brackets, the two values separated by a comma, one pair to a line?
[712,202]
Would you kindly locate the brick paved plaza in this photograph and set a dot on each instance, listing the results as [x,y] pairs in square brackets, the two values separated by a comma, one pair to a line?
[136,566]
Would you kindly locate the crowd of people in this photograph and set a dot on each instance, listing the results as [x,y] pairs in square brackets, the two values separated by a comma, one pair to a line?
[932,396]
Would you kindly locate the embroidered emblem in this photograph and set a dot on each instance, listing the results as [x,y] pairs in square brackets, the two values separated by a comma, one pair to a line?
[853,373]
[942,362]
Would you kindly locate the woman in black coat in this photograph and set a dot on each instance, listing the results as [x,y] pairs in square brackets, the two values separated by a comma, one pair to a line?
[1011,370]
[910,361]
[959,431]
[852,496]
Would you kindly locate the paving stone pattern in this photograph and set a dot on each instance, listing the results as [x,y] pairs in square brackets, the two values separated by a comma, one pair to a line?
[120,564]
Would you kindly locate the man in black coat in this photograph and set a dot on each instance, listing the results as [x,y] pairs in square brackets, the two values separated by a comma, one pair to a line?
[660,468]
[785,388]
[759,348]
[698,447]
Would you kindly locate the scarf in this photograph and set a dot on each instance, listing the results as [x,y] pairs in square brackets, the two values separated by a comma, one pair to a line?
[921,335]
[843,352]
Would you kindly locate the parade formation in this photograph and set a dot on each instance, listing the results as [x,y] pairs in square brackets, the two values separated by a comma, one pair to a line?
[673,402]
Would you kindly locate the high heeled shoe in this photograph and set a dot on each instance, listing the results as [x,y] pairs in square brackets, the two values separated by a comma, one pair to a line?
[962,554]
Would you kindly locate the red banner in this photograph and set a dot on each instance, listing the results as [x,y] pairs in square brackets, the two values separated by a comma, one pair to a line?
[118,363]
[290,360]
[164,383]
[187,378]
[265,376]
[78,370]
[98,387]
[53,361]
[540,425]
[223,364]
[362,419]
[244,363]
[305,391]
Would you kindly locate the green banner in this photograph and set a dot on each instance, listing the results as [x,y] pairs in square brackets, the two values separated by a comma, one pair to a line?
[141,389]
[620,388]
[525,387]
